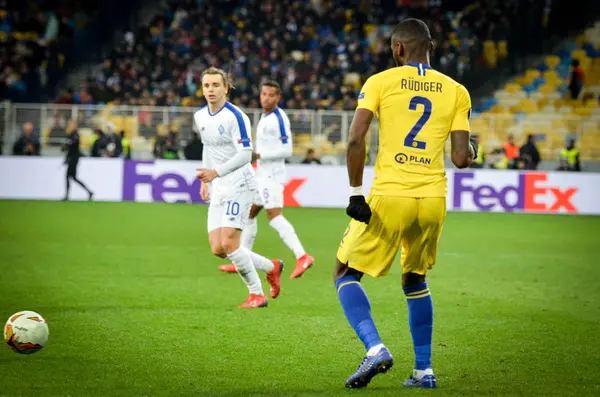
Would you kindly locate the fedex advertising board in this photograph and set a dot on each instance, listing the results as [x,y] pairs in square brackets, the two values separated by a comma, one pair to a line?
[535,192]
[306,186]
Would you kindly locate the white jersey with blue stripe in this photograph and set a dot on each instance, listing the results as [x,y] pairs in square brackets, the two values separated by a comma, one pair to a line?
[224,134]
[273,144]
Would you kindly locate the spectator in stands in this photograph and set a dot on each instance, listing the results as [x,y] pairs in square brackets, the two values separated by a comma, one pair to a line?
[530,154]
[99,144]
[160,142]
[126,147]
[569,157]
[193,150]
[316,49]
[311,157]
[171,147]
[511,151]
[28,144]
[498,159]
[114,147]
[575,79]
[479,162]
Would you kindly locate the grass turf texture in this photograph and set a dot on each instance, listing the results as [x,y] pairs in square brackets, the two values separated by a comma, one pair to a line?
[136,306]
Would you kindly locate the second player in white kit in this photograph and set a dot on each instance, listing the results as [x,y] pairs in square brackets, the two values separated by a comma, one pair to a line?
[225,132]
[273,146]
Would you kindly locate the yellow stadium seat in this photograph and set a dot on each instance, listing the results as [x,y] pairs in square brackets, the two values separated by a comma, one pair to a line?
[547,89]
[582,39]
[551,74]
[502,49]
[498,109]
[490,53]
[522,80]
[527,106]
[534,73]
[369,28]
[303,139]
[513,87]
[582,111]
[591,103]
[592,131]
[552,61]
[578,54]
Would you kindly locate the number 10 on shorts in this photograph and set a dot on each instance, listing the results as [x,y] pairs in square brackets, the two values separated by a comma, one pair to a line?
[233,208]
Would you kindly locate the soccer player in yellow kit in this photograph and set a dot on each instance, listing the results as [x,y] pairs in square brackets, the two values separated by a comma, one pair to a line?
[417,108]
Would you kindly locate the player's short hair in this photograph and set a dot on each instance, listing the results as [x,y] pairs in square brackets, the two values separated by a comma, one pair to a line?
[414,34]
[272,83]
[213,71]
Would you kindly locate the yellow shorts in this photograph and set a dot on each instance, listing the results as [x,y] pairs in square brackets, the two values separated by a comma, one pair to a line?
[413,223]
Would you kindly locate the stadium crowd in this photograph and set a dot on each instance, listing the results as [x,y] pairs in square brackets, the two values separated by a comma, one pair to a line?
[36,41]
[320,51]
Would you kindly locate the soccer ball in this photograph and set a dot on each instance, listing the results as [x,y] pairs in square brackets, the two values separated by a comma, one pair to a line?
[26,332]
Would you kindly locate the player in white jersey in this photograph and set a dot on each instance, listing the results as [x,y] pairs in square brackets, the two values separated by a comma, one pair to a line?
[225,132]
[273,146]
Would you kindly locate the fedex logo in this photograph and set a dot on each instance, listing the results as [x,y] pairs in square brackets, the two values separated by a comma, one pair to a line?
[141,184]
[530,194]
[178,188]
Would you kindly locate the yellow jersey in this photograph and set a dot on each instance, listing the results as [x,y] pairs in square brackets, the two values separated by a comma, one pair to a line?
[416,107]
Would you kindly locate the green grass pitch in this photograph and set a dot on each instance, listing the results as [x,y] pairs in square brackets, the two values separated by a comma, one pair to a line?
[136,307]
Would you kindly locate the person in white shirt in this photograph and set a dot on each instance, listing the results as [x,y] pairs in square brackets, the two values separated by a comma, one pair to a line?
[273,146]
[229,184]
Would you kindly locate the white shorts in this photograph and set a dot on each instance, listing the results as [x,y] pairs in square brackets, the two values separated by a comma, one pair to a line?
[230,210]
[269,193]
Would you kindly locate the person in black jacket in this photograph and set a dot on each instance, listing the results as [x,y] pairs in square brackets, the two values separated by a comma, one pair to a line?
[193,150]
[28,144]
[530,154]
[72,159]
[99,145]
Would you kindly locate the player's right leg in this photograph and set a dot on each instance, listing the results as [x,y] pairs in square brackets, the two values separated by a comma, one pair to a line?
[68,187]
[271,195]
[242,258]
[224,239]
[248,236]
[367,249]
[357,309]
[72,174]
[418,256]
[235,217]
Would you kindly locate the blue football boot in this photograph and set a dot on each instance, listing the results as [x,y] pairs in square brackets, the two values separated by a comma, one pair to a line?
[369,367]
[427,381]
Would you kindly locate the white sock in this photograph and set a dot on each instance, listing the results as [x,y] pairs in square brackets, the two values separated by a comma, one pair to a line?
[260,262]
[288,235]
[243,262]
[419,373]
[375,349]
[249,233]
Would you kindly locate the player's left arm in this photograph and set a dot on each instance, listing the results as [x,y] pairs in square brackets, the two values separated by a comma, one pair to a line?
[464,147]
[284,148]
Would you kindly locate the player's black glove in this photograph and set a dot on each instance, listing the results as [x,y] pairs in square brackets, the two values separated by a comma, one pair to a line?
[358,209]
[475,146]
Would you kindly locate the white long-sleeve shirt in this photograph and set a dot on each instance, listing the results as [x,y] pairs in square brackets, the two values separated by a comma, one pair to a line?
[274,144]
[227,147]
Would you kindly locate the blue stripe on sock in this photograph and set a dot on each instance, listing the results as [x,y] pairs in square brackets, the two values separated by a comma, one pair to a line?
[357,309]
[420,319]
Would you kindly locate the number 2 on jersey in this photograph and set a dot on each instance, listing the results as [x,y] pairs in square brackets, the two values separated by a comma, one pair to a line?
[410,140]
